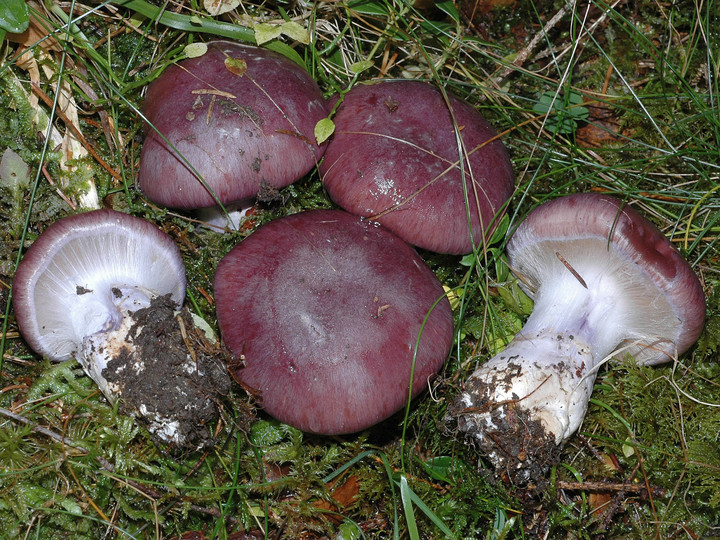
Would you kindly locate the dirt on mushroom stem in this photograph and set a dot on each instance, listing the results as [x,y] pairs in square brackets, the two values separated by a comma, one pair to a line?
[174,380]
[522,447]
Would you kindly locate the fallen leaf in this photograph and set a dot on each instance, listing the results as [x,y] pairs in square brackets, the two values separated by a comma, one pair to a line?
[599,502]
[343,495]
[295,31]
[324,129]
[194,50]
[600,129]
[238,66]
[265,32]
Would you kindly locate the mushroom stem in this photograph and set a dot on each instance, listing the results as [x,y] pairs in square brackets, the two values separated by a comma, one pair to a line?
[99,348]
[105,287]
[524,403]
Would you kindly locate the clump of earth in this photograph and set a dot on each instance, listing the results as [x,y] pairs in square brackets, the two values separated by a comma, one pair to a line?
[173,377]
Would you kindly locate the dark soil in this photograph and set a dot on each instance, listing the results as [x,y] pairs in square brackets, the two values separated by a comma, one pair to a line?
[520,448]
[175,375]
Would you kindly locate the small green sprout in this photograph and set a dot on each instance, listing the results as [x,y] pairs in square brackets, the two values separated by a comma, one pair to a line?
[563,111]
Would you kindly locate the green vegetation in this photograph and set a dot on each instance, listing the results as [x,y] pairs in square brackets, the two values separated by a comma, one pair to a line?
[618,98]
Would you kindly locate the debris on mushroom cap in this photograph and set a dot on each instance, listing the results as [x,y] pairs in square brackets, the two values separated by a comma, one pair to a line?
[325,310]
[237,116]
[605,282]
[104,287]
[395,157]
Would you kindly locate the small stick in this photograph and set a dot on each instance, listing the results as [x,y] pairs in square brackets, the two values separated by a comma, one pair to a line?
[64,197]
[524,53]
[46,99]
[572,270]
[599,487]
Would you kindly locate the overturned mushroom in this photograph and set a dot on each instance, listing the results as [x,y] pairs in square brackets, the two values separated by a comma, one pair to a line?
[105,287]
[605,282]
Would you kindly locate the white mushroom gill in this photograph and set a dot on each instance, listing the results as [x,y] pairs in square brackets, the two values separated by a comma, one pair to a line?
[72,281]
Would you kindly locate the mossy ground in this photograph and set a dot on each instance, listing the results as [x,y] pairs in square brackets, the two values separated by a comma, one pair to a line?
[646,462]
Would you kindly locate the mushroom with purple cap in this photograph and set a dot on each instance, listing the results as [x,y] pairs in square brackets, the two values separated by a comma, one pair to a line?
[606,283]
[226,124]
[430,169]
[337,321]
[89,287]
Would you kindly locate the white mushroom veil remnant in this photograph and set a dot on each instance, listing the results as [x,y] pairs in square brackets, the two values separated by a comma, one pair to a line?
[105,287]
[606,282]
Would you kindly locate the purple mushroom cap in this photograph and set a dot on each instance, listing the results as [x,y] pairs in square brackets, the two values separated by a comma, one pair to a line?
[240,116]
[394,157]
[326,310]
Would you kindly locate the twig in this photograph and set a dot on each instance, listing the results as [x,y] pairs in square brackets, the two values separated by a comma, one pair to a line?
[525,53]
[604,487]
[46,99]
[41,429]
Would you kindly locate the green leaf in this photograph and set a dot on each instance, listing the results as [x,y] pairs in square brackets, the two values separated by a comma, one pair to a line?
[501,230]
[194,50]
[296,31]
[368,7]
[628,448]
[238,66]
[14,172]
[468,260]
[14,16]
[546,102]
[515,298]
[410,498]
[580,113]
[265,32]
[323,130]
[218,7]
[448,7]
[359,67]
[439,468]
[406,497]
[564,111]
[349,530]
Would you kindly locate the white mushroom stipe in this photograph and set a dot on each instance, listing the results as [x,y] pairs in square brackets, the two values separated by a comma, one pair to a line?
[605,282]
